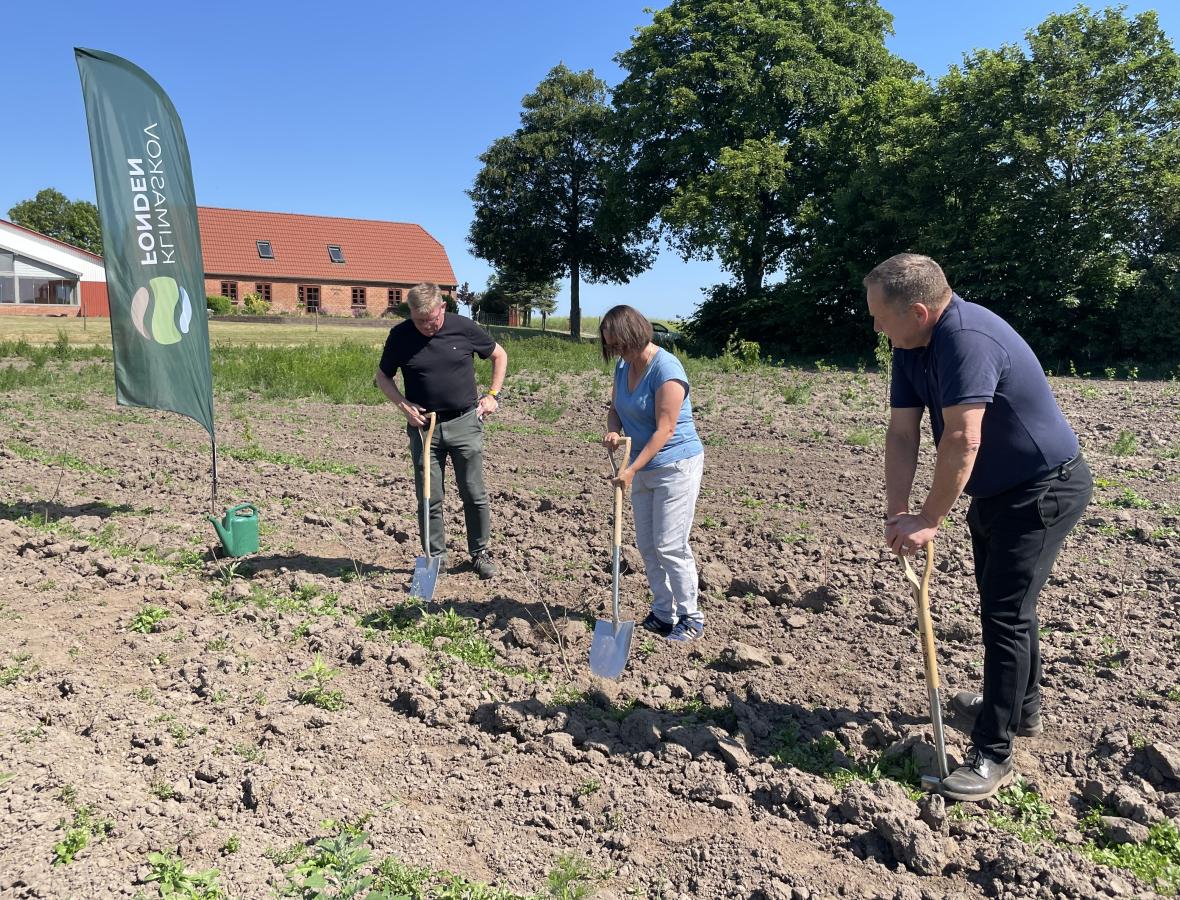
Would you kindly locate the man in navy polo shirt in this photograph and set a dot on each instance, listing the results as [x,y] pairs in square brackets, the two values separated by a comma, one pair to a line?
[1003,441]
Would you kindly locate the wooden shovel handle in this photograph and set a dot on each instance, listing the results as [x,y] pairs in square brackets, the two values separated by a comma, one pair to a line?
[921,591]
[618,535]
[427,440]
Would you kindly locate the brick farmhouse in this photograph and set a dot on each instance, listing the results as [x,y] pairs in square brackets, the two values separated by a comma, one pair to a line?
[318,263]
[301,264]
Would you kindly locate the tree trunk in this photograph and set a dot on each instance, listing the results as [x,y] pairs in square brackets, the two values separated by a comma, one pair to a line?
[575,303]
[544,316]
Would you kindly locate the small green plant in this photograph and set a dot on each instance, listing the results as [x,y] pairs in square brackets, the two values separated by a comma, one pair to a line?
[883,354]
[334,869]
[285,856]
[1128,499]
[740,354]
[865,437]
[320,675]
[1126,444]
[797,391]
[79,833]
[174,880]
[17,670]
[232,845]
[1029,817]
[162,790]
[146,620]
[586,788]
[567,880]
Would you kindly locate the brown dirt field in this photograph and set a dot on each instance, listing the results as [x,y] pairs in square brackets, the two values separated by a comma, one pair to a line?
[687,778]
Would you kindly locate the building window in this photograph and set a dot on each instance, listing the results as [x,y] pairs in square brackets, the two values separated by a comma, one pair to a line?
[50,291]
[262,289]
[309,298]
[335,253]
[230,289]
[358,300]
[265,251]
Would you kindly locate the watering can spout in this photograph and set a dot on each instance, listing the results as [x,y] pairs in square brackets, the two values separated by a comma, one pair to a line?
[222,531]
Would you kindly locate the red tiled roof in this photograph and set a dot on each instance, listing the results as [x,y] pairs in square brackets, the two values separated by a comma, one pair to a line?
[389,252]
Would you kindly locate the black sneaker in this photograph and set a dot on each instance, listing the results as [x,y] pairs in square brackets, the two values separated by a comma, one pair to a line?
[483,566]
[978,778]
[968,704]
[656,625]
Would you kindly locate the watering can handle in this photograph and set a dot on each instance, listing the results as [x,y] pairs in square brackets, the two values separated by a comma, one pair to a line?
[233,510]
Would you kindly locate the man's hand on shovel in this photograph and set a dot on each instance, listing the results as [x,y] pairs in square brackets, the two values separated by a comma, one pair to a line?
[907,533]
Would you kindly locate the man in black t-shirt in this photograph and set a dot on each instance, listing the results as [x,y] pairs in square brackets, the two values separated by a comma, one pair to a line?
[435,351]
[1002,440]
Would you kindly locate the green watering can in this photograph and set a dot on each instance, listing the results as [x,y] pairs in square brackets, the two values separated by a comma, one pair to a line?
[238,530]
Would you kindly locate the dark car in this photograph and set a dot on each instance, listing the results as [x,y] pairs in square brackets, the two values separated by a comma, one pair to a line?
[664,337]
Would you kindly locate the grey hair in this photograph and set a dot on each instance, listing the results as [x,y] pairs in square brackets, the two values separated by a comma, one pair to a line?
[910,278]
[424,297]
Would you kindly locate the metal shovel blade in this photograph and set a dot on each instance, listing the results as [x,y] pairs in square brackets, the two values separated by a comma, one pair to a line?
[610,647]
[425,576]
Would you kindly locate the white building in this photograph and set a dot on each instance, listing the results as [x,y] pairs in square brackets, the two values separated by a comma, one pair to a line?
[42,276]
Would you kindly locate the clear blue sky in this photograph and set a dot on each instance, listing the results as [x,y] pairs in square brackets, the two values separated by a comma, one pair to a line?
[375,109]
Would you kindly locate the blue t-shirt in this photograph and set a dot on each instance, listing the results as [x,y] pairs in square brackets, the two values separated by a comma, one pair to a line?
[974,356]
[637,410]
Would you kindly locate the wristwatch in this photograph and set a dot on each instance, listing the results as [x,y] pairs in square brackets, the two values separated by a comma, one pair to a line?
[493,394]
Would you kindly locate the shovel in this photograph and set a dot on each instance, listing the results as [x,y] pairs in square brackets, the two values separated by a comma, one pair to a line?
[425,567]
[612,638]
[921,591]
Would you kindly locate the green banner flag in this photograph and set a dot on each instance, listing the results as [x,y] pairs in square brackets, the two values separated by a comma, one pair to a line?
[151,244]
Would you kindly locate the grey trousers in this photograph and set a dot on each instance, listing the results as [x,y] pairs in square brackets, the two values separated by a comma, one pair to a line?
[663,501]
[461,440]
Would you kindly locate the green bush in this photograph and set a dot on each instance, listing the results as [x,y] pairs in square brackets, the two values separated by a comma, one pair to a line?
[254,305]
[218,305]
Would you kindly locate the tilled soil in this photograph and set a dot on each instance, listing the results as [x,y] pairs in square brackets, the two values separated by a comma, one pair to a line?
[718,769]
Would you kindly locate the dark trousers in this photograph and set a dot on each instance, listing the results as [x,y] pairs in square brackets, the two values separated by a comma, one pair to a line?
[461,440]
[1016,537]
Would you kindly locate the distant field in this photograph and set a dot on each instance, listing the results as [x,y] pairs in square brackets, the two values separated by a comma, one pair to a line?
[38,330]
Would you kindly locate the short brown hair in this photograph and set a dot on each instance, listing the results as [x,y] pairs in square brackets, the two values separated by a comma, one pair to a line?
[910,278]
[424,297]
[622,331]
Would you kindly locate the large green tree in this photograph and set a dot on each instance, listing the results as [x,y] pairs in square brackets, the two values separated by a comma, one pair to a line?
[543,206]
[728,109]
[1051,191]
[51,213]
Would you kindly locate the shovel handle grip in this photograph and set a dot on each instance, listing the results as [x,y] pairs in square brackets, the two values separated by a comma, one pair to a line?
[618,531]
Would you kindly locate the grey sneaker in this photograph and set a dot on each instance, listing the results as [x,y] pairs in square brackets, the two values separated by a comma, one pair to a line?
[967,704]
[484,567]
[978,778]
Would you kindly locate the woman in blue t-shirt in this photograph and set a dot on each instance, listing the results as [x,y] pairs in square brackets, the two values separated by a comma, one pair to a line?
[649,401]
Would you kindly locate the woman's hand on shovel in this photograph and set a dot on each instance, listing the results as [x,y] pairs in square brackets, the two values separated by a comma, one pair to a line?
[907,533]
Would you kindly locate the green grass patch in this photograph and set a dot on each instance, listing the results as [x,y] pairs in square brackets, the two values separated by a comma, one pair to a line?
[64,460]
[254,453]
[1156,861]
[823,756]
[460,636]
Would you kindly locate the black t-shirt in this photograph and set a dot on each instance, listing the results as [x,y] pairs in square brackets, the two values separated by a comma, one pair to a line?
[974,356]
[438,371]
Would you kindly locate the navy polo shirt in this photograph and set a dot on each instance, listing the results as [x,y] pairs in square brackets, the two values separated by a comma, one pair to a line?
[974,356]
